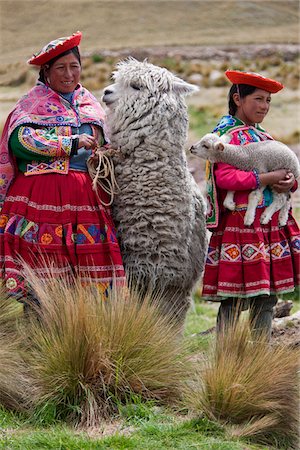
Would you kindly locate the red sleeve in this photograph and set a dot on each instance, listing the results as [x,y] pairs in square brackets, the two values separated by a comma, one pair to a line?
[232,179]
[295,187]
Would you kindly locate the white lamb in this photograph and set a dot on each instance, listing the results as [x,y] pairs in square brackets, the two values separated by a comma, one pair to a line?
[264,156]
[159,211]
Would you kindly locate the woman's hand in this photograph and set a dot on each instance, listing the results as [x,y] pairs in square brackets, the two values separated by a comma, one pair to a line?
[286,184]
[86,141]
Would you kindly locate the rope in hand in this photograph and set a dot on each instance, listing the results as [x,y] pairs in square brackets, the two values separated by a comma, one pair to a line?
[103,175]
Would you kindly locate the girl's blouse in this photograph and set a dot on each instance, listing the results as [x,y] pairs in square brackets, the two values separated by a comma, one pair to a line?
[222,177]
[228,177]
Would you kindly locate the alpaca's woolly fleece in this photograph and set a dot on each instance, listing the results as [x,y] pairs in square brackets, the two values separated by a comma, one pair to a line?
[264,156]
[159,211]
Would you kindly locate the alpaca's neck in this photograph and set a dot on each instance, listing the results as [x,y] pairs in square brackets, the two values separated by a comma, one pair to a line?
[158,126]
[162,134]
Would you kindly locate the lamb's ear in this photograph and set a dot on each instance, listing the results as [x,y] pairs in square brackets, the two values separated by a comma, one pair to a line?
[184,88]
[219,146]
[225,138]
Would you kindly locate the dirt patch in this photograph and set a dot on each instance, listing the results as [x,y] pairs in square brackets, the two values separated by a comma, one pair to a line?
[286,331]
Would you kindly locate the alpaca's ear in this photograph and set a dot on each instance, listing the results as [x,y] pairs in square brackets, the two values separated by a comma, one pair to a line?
[183,88]
[219,146]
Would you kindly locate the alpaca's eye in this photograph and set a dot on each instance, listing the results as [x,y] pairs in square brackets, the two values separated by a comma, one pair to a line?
[135,86]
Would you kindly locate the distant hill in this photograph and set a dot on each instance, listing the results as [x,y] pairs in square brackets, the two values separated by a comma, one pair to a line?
[26,25]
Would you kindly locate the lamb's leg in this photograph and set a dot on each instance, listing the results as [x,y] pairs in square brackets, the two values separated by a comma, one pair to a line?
[279,200]
[228,201]
[253,200]
[284,212]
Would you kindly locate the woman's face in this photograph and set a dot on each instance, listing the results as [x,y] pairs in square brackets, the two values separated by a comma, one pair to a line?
[254,107]
[64,74]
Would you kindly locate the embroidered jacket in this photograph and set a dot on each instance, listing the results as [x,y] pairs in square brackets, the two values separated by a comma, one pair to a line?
[44,120]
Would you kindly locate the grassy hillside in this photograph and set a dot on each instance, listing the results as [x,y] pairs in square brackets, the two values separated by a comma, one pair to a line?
[27,24]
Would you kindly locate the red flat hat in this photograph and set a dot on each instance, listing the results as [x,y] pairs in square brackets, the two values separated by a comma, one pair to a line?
[55,48]
[254,79]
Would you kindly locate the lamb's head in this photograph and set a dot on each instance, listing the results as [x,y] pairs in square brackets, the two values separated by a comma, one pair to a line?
[144,94]
[209,147]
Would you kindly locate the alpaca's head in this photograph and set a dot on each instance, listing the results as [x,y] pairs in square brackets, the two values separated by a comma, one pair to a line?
[210,147]
[144,95]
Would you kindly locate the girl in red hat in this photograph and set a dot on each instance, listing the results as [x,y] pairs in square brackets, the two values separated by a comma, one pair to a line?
[50,212]
[248,266]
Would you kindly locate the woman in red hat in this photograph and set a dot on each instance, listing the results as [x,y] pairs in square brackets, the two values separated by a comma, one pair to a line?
[248,266]
[50,212]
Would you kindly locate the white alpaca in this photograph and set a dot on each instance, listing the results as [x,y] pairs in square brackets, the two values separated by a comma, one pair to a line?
[264,156]
[159,211]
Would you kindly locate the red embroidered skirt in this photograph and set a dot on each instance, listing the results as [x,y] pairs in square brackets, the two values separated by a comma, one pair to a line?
[57,219]
[249,261]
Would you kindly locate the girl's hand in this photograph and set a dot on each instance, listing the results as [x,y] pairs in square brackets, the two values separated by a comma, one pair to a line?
[271,178]
[86,141]
[286,184]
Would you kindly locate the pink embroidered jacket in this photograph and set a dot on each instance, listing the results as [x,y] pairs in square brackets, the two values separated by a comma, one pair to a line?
[44,111]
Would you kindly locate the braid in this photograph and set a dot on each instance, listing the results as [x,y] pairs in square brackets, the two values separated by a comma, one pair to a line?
[243,90]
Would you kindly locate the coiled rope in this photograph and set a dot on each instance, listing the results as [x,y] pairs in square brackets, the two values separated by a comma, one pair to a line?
[103,175]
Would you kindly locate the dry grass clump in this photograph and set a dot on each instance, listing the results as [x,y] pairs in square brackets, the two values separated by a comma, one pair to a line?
[87,355]
[250,387]
[10,311]
[14,376]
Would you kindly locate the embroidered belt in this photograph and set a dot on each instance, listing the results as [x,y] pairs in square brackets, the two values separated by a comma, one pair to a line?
[56,166]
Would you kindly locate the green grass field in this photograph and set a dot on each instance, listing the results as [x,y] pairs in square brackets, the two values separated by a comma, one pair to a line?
[117,24]
[137,424]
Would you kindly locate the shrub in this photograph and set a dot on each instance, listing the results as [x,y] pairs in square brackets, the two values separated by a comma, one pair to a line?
[250,386]
[87,355]
[14,376]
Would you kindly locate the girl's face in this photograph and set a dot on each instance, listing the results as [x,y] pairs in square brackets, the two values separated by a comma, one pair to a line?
[63,76]
[254,107]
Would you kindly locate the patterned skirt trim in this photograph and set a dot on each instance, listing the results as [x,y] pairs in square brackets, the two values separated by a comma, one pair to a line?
[250,261]
[57,222]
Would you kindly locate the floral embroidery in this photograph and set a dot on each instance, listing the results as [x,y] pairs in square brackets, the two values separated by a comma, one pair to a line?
[52,108]
[30,236]
[295,243]
[46,238]
[3,221]
[11,283]
[3,180]
[230,252]
[80,238]
[59,231]
[102,234]
[52,234]
[226,121]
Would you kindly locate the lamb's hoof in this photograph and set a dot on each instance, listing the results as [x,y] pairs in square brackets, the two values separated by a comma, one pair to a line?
[229,205]
[282,222]
[264,219]
[248,220]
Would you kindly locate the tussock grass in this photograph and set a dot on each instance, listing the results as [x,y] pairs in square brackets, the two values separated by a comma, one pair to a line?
[87,355]
[10,312]
[250,387]
[14,375]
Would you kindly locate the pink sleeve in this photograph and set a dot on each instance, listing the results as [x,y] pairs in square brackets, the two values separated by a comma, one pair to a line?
[232,179]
